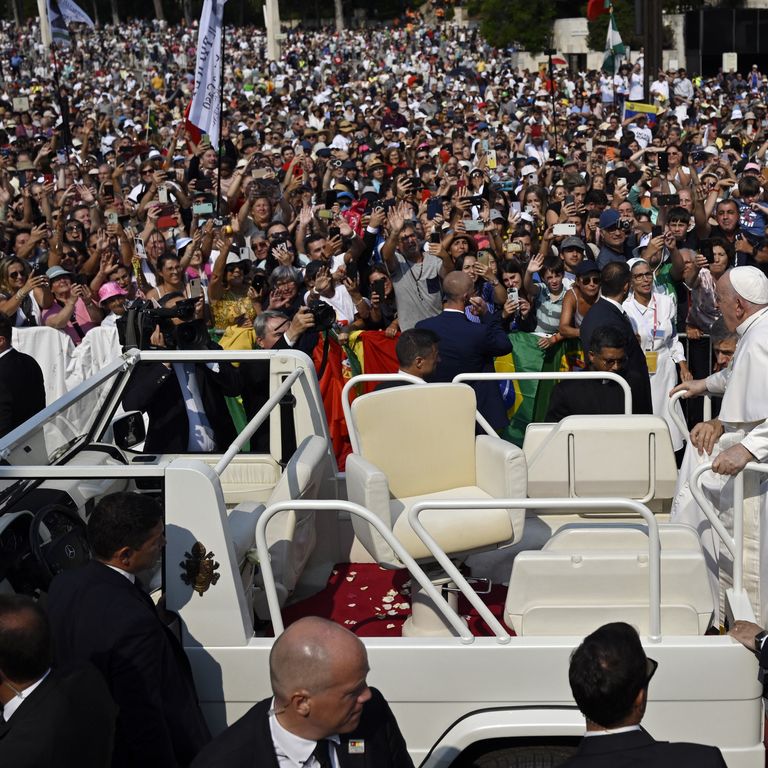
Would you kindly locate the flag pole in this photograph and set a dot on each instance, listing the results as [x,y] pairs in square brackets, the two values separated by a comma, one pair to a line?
[221,109]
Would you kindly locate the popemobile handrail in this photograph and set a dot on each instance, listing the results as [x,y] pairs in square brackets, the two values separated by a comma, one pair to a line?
[735,543]
[415,570]
[547,506]
[551,376]
[550,506]
[465,377]
[677,418]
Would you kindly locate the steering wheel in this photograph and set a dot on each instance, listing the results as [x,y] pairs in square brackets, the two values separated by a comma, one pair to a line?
[57,537]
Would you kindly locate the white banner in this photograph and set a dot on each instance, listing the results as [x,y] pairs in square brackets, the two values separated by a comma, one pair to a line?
[205,112]
[73,13]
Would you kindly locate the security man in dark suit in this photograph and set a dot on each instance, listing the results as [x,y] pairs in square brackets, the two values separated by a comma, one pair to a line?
[593,396]
[48,717]
[607,310]
[322,707]
[100,614]
[22,391]
[609,676]
[467,347]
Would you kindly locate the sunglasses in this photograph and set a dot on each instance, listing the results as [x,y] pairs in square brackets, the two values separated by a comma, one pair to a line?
[594,280]
[14,275]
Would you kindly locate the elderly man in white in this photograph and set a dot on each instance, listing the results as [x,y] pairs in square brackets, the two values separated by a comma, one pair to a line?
[738,436]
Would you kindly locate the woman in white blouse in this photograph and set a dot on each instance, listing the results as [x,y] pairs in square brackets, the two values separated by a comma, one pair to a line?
[652,315]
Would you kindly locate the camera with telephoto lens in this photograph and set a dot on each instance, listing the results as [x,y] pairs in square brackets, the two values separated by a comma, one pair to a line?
[324,316]
[136,326]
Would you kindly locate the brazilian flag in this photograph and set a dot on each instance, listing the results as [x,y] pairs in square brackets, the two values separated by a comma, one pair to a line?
[528,401]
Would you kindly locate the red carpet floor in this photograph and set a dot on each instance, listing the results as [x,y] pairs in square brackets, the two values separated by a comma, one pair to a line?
[370,602]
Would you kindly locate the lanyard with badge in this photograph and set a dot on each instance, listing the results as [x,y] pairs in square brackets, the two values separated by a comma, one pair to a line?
[651,356]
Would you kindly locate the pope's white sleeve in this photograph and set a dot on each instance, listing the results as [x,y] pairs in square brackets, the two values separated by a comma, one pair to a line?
[756,442]
[717,382]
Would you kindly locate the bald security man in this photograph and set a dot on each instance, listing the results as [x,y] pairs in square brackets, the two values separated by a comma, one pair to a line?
[322,713]
[467,347]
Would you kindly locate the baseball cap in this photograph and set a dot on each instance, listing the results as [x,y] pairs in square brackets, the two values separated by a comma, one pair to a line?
[573,242]
[609,218]
[54,273]
[584,267]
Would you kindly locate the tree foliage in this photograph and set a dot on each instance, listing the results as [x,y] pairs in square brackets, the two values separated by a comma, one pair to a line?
[525,24]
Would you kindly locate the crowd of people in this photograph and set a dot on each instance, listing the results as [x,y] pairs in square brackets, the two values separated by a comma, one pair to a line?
[358,172]
[409,182]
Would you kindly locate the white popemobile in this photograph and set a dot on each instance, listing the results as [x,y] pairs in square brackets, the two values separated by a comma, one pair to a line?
[575,523]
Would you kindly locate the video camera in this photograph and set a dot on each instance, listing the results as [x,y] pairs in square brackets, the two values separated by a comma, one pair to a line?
[136,326]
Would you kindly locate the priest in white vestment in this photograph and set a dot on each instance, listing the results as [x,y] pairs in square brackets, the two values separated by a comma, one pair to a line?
[738,436]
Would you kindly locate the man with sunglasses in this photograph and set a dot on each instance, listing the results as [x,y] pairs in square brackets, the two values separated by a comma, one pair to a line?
[609,676]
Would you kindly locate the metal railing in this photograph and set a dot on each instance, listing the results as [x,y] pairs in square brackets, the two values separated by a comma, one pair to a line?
[551,376]
[463,378]
[546,506]
[734,543]
[353,509]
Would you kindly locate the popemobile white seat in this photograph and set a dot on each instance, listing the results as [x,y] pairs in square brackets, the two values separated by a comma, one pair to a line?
[628,456]
[418,443]
[291,535]
[588,574]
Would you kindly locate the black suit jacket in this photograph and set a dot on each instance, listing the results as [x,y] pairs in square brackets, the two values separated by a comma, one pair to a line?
[22,391]
[97,615]
[636,749]
[589,397]
[604,313]
[68,721]
[155,389]
[248,742]
[467,347]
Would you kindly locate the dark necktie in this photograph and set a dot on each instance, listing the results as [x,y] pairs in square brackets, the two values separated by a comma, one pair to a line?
[322,754]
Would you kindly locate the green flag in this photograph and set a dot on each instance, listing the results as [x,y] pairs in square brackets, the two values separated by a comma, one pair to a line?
[614,47]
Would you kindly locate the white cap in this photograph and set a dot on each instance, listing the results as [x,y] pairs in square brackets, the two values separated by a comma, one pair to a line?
[750,283]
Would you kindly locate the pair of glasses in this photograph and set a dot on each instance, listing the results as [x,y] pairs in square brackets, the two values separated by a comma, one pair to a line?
[643,276]
[15,275]
[594,280]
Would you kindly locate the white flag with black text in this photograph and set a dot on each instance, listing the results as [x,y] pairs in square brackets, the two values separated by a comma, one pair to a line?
[205,112]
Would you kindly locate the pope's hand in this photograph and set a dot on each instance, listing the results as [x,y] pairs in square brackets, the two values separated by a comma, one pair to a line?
[691,388]
[732,461]
[706,434]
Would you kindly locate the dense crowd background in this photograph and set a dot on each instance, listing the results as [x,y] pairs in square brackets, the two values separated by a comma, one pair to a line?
[415,148]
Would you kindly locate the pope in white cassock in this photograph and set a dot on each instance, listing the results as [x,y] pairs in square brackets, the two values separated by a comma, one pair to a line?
[738,436]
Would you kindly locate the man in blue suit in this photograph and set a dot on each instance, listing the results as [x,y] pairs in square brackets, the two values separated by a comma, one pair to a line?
[467,347]
[607,311]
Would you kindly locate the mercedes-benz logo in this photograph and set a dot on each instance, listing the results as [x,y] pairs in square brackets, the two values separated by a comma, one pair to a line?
[69,551]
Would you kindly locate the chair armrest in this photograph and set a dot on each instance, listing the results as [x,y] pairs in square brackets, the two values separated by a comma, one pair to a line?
[502,472]
[368,486]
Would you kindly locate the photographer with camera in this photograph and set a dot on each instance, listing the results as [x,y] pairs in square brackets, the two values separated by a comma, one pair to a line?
[184,401]
[613,238]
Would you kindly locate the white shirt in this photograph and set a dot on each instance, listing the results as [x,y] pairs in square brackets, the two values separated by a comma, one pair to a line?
[6,351]
[18,700]
[612,731]
[293,751]
[127,575]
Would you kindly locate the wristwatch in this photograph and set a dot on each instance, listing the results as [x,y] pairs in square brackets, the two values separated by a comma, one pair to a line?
[759,640]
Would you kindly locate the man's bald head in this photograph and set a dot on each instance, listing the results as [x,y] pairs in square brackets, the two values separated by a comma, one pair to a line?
[307,655]
[456,286]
